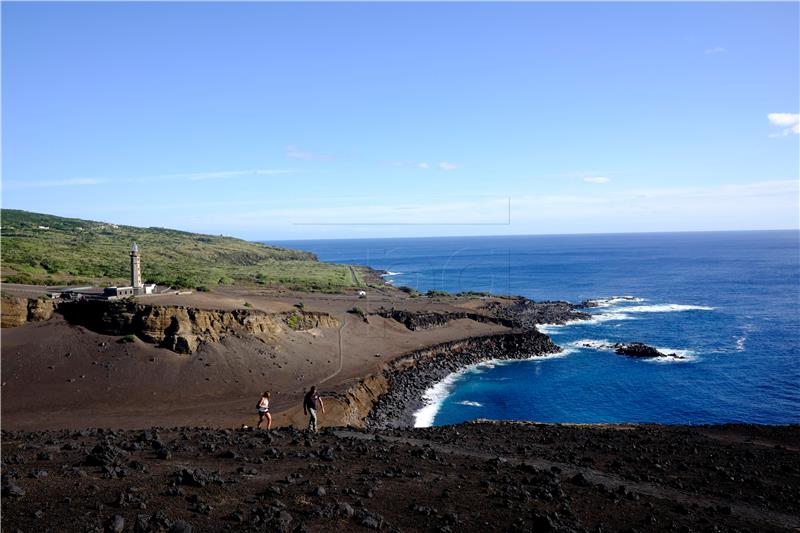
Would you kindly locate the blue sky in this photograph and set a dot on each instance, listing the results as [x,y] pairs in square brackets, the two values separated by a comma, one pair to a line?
[272,121]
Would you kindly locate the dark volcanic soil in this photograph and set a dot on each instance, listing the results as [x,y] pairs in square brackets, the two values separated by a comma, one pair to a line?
[474,477]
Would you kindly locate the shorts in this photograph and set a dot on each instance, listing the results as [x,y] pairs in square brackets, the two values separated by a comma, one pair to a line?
[262,411]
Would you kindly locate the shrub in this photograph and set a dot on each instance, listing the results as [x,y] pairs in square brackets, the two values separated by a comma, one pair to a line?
[356,310]
[407,290]
[126,339]
[300,305]
[430,294]
[201,288]
[294,321]
[248,304]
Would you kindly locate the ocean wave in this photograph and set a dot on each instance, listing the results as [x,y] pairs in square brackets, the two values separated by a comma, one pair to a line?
[740,344]
[470,404]
[388,273]
[684,356]
[603,345]
[594,344]
[596,319]
[433,398]
[665,308]
[613,300]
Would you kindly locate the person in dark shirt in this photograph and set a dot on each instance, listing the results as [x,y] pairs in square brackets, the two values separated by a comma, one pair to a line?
[311,401]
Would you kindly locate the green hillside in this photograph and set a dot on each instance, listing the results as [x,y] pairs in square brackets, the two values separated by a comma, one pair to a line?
[46,249]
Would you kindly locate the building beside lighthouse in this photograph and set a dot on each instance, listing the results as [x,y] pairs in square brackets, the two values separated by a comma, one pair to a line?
[136,287]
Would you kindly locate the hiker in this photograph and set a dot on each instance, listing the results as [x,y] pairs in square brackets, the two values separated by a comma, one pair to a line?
[310,403]
[263,410]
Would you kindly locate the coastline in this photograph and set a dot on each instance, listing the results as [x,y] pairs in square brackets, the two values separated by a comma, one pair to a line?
[410,376]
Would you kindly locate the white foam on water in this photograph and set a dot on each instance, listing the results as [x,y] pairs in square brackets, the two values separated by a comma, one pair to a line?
[434,397]
[603,317]
[563,353]
[665,308]
[549,329]
[470,404]
[740,344]
[594,344]
[604,345]
[391,274]
[684,356]
[612,300]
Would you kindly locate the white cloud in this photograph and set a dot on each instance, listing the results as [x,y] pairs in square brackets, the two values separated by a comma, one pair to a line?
[295,152]
[715,50]
[423,165]
[444,165]
[596,179]
[790,122]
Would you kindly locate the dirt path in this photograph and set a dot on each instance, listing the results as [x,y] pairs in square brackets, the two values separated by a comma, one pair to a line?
[341,353]
[355,277]
[610,481]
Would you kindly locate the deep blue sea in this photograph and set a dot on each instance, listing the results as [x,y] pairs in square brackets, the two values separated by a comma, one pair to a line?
[729,302]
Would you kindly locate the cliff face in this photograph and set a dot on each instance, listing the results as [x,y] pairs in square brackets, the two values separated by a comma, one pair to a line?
[182,329]
[16,311]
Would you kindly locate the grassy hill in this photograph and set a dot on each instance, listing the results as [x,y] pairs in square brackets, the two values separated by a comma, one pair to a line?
[46,249]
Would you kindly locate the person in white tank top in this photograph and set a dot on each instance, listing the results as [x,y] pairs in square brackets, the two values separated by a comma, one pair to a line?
[263,410]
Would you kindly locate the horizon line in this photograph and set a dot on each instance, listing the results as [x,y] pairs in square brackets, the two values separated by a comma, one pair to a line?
[532,235]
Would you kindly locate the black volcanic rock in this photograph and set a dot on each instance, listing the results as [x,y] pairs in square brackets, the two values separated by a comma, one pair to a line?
[430,365]
[638,349]
[525,313]
[427,320]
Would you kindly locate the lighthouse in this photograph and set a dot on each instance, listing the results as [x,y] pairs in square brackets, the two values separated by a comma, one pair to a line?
[137,287]
[136,270]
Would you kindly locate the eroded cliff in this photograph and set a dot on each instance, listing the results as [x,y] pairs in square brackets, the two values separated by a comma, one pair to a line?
[183,329]
[16,311]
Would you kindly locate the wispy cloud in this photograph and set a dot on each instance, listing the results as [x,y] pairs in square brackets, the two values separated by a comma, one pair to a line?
[192,176]
[759,205]
[424,165]
[715,50]
[295,152]
[596,179]
[235,174]
[70,182]
[790,122]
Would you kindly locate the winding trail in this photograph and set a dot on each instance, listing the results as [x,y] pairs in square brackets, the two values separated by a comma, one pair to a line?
[610,481]
[356,281]
[341,353]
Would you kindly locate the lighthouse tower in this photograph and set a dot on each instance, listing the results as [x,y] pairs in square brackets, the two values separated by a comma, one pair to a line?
[136,270]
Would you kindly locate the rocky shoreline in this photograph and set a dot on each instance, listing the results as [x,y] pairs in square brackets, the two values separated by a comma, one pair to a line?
[407,384]
[422,369]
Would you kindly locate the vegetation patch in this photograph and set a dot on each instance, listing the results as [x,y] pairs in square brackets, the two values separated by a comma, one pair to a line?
[51,250]
[356,310]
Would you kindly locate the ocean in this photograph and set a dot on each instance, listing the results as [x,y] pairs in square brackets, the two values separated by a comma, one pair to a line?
[728,302]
